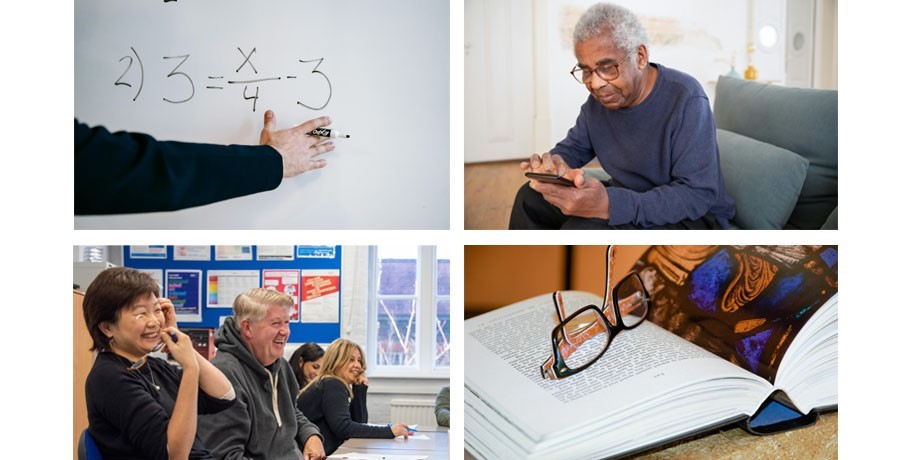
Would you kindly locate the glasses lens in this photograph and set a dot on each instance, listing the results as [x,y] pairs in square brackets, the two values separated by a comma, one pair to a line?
[584,338]
[633,303]
[579,75]
[608,72]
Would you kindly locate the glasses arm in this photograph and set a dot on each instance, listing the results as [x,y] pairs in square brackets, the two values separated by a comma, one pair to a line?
[610,258]
[560,308]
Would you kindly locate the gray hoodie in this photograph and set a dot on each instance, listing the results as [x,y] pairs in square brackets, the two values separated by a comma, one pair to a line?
[263,423]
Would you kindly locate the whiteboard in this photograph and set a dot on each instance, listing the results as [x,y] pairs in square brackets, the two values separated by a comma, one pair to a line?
[207,70]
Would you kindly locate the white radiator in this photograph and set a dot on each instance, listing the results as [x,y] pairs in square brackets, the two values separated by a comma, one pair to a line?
[413,411]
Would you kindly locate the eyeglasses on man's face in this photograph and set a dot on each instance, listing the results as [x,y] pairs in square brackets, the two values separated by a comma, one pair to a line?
[580,339]
[608,72]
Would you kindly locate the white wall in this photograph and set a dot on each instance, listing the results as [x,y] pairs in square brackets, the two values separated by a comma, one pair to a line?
[700,37]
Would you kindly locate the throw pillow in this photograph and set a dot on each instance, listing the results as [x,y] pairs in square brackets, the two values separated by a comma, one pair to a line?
[764,180]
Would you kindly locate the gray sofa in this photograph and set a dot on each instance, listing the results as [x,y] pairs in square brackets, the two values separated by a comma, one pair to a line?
[778,148]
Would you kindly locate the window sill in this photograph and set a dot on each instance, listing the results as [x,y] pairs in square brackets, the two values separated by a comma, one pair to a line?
[421,385]
[407,373]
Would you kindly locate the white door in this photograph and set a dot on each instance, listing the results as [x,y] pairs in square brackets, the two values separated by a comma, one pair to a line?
[499,80]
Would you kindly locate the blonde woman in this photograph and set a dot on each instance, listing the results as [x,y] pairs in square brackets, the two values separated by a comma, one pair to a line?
[326,400]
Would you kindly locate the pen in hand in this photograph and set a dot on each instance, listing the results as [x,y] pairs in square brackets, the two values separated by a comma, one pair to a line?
[325,132]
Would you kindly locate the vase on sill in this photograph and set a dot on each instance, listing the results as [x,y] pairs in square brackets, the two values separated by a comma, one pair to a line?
[750,71]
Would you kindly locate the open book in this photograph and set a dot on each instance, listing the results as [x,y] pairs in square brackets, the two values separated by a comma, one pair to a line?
[735,334]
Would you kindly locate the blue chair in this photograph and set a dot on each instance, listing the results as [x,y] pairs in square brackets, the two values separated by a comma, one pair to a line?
[87,448]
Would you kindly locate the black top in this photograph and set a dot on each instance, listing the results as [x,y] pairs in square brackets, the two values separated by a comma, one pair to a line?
[358,410]
[131,172]
[128,417]
[327,404]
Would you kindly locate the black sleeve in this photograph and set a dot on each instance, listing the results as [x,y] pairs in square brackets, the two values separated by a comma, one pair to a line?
[207,404]
[336,406]
[358,410]
[131,172]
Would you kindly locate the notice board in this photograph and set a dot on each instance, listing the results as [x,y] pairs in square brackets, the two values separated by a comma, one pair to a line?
[202,281]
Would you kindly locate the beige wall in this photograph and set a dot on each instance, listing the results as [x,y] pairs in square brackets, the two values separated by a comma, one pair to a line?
[500,275]
[825,71]
[82,360]
[496,276]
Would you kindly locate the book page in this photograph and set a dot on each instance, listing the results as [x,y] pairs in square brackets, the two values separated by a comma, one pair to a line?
[746,304]
[505,349]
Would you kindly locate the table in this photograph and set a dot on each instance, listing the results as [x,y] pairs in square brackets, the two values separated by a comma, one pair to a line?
[436,447]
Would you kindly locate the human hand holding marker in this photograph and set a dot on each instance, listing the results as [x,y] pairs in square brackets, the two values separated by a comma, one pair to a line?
[401,429]
[297,149]
[325,132]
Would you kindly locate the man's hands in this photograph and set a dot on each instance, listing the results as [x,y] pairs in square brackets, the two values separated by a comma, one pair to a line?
[587,199]
[313,449]
[298,151]
[546,163]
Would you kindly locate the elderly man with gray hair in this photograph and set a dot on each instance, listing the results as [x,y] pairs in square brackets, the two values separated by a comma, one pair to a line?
[263,422]
[650,127]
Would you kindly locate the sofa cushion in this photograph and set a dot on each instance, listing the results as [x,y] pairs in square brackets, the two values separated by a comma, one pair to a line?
[831,222]
[801,120]
[764,180]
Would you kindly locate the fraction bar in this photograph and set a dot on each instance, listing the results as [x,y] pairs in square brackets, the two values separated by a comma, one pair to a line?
[252,81]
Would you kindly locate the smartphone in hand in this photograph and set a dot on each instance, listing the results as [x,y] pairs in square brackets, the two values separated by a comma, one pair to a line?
[550,178]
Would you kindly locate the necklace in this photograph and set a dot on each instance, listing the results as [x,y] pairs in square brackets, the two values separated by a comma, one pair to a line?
[136,367]
[150,368]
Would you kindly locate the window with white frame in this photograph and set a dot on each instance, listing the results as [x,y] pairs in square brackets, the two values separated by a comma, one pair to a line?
[409,310]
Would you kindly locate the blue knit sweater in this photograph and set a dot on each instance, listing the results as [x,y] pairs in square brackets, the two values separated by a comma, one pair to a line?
[661,154]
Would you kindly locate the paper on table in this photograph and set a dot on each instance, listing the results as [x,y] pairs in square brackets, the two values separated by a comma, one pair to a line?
[359,456]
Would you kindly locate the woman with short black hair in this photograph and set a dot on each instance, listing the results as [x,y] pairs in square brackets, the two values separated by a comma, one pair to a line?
[142,407]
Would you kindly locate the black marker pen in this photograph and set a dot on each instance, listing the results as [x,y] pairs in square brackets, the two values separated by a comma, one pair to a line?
[325,132]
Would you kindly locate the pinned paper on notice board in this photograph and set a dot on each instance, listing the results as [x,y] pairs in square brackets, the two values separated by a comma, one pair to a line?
[320,300]
[183,288]
[285,282]
[223,286]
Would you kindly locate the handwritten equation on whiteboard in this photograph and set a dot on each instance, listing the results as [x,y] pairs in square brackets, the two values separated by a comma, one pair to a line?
[245,76]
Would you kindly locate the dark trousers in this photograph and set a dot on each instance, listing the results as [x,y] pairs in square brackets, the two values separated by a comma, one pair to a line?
[531,212]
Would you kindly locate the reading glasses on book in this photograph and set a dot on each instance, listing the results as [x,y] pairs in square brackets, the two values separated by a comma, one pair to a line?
[580,339]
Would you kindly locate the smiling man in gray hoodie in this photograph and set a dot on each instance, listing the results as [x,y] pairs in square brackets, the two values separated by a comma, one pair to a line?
[263,422]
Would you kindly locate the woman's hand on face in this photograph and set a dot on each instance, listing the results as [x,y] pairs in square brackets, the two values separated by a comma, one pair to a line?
[182,350]
[168,313]
[361,379]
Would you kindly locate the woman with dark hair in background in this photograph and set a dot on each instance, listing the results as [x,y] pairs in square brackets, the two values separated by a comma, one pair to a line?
[306,362]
